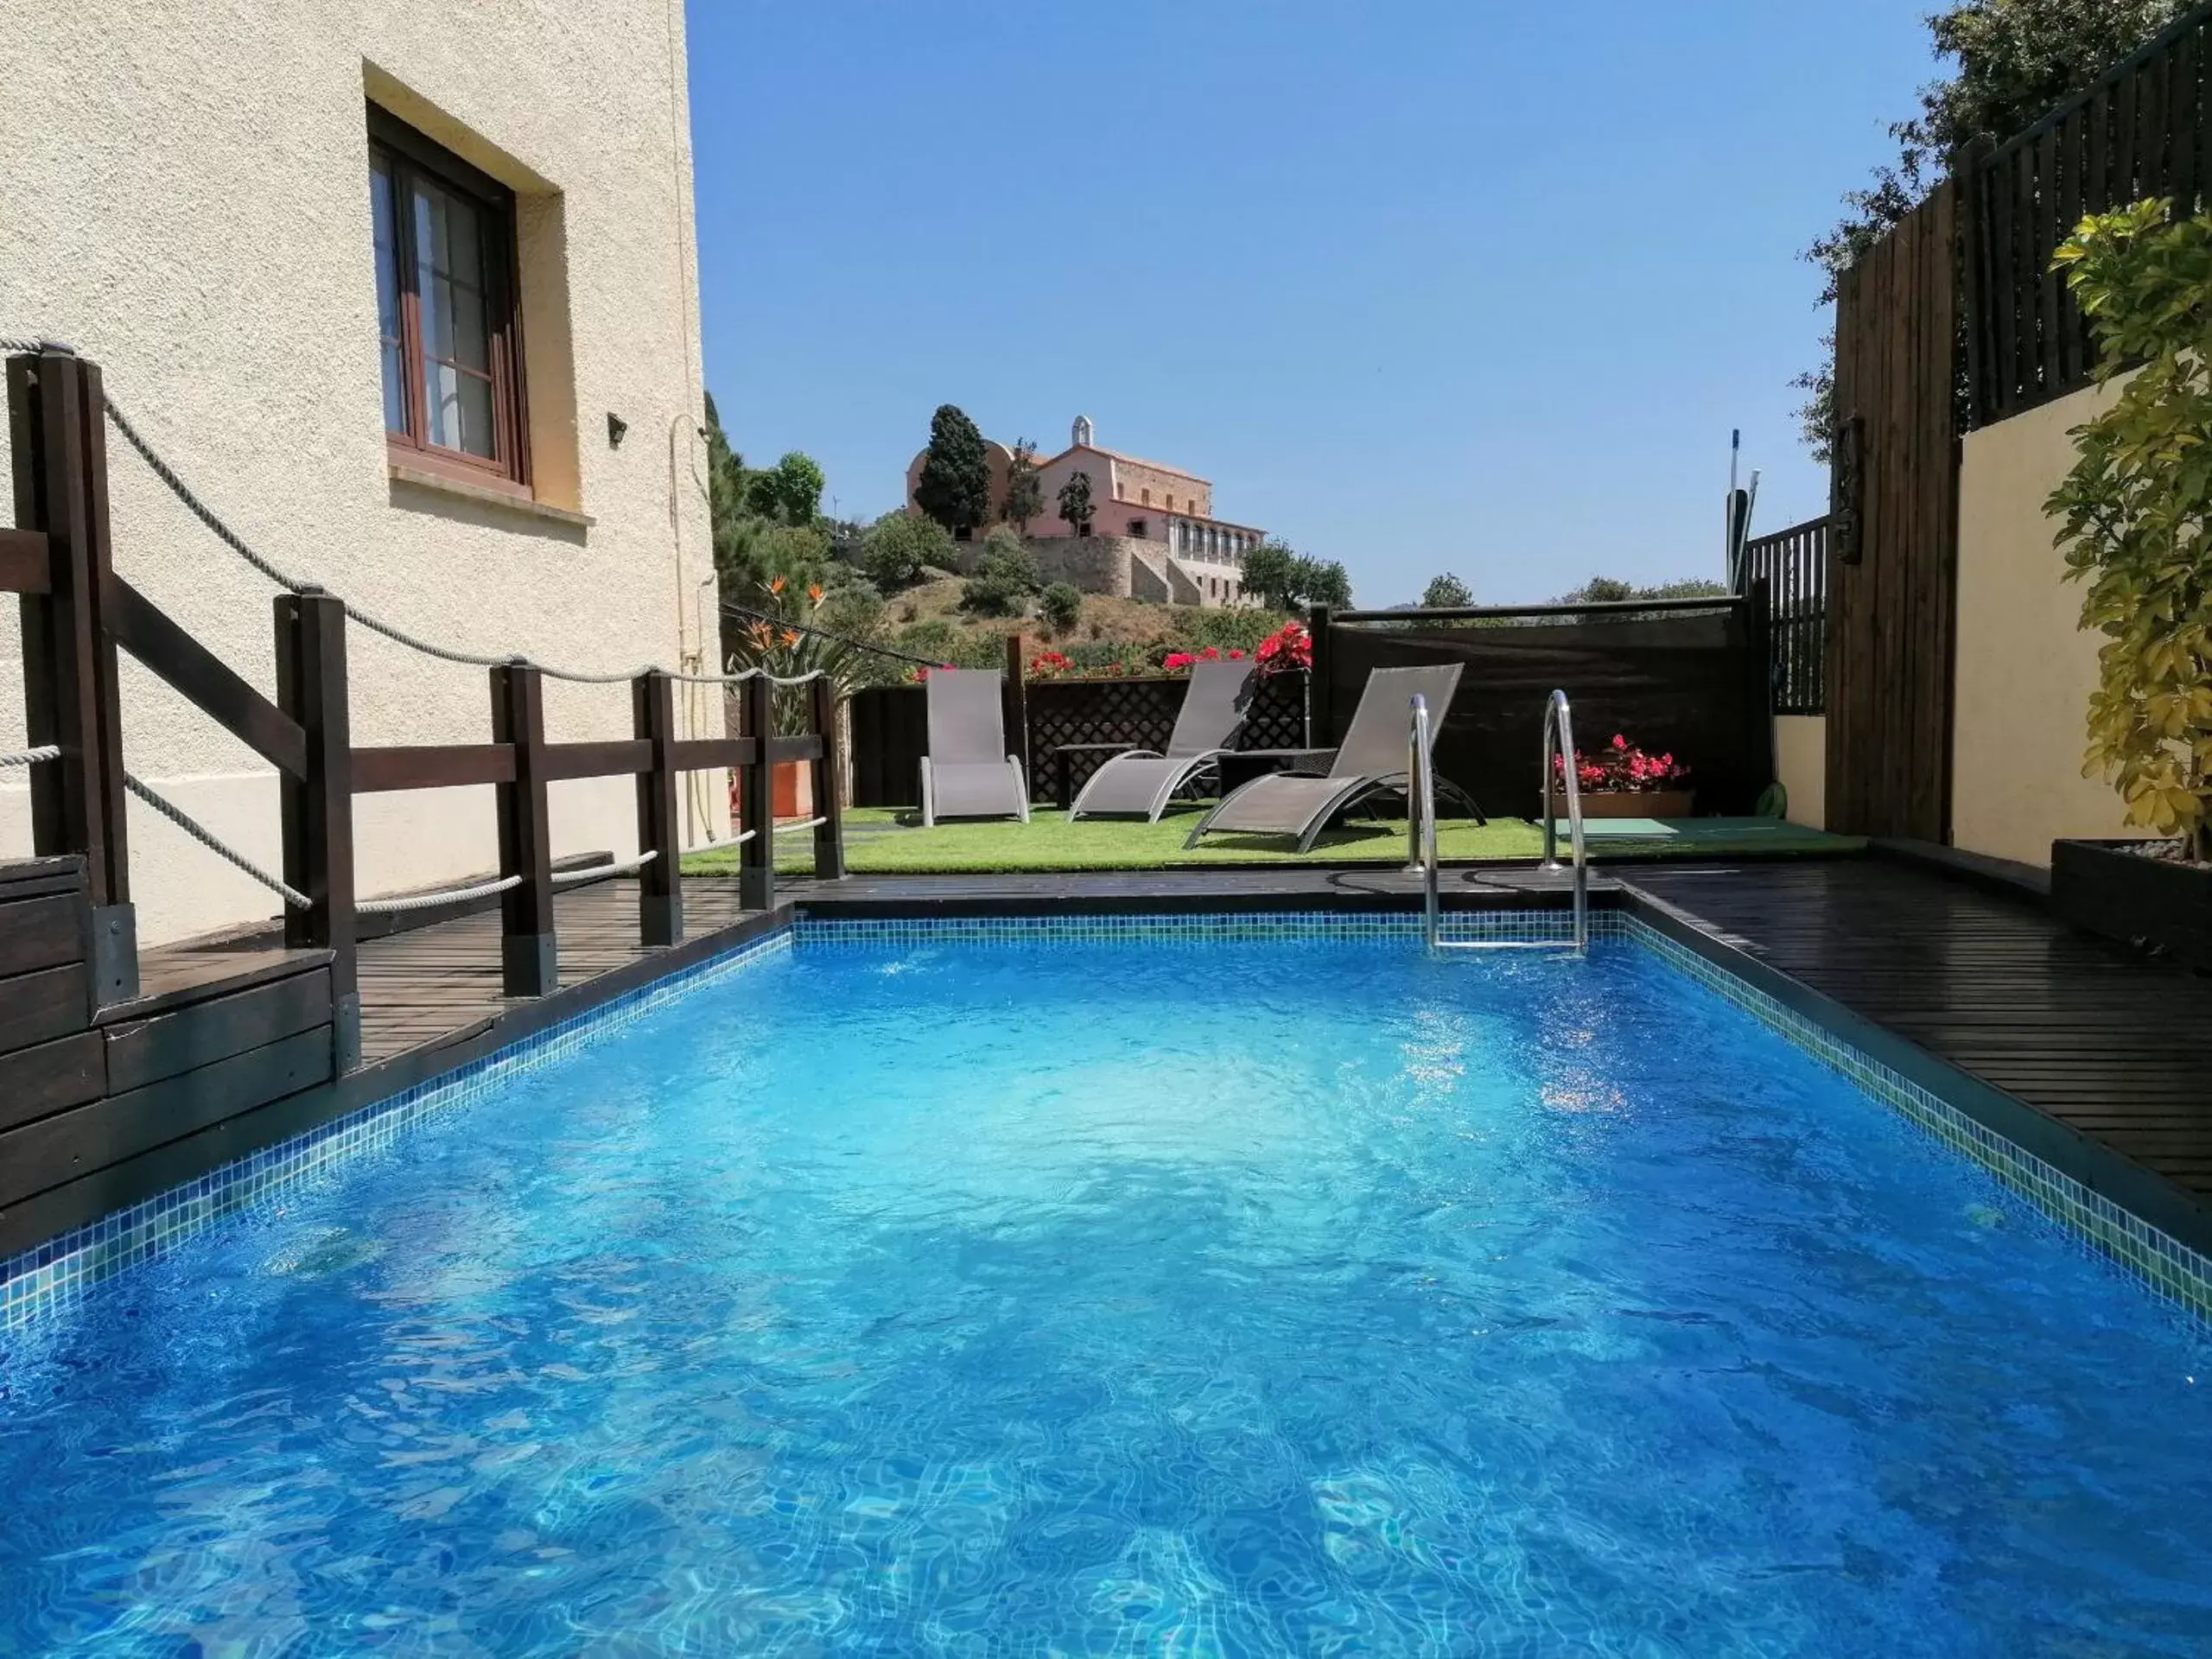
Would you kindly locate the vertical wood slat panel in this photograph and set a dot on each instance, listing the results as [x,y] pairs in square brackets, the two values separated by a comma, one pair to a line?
[2141,131]
[1890,629]
[2050,351]
[2072,157]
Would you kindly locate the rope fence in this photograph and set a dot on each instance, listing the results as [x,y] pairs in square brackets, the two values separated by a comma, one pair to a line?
[208,838]
[600,872]
[426,901]
[30,757]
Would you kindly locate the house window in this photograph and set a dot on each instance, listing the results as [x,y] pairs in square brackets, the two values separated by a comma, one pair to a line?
[1139,528]
[1148,498]
[446,319]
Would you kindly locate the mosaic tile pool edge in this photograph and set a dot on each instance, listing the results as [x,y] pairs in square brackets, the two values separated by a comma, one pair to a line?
[2163,1264]
[47,1276]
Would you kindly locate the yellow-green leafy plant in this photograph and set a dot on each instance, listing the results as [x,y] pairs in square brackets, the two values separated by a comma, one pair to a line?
[2136,512]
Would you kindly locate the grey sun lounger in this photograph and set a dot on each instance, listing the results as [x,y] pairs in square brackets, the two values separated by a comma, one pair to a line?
[1373,758]
[968,772]
[1145,780]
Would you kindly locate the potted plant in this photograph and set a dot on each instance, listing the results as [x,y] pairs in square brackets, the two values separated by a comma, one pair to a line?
[2135,524]
[791,644]
[1623,781]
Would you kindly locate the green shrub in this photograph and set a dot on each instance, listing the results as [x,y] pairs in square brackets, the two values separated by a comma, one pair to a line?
[1062,606]
[1195,629]
[979,651]
[899,545]
[1005,577]
[2136,513]
[934,639]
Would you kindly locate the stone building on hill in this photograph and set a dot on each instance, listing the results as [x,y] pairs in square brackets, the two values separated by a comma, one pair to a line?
[1153,536]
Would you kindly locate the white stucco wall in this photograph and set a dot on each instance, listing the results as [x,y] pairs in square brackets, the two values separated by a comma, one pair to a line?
[2024,669]
[183,195]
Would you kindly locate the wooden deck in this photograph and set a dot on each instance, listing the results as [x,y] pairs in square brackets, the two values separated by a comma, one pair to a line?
[2114,1047]
[432,984]
[439,983]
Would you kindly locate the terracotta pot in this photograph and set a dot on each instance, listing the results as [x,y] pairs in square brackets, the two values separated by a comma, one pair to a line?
[1635,803]
[792,792]
[794,789]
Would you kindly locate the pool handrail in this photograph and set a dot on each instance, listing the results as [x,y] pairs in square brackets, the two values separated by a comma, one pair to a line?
[1420,772]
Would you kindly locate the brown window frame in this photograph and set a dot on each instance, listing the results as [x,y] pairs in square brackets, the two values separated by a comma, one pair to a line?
[409,154]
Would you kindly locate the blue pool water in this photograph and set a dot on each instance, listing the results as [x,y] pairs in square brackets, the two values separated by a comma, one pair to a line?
[1297,1297]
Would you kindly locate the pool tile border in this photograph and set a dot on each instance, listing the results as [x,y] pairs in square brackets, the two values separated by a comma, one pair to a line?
[1194,928]
[2168,1268]
[52,1275]
[49,1276]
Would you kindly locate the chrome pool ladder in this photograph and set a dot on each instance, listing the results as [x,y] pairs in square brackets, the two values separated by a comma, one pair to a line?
[1559,762]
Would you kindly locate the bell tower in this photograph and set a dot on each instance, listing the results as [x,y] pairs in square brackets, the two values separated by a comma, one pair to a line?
[1080,432]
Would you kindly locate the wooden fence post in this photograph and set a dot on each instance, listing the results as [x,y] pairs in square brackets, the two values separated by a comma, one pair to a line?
[58,441]
[660,888]
[1320,719]
[529,964]
[756,794]
[1016,688]
[318,809]
[829,833]
[1759,643]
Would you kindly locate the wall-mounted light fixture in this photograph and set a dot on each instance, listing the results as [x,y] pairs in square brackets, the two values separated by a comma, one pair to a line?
[616,426]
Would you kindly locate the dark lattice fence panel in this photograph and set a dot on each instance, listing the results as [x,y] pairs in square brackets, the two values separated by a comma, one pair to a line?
[890,727]
[1277,717]
[1688,684]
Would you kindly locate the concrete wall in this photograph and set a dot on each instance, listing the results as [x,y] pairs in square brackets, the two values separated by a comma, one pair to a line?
[184,193]
[1801,763]
[2024,669]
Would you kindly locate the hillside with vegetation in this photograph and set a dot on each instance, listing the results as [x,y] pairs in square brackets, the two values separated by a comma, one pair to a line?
[801,591]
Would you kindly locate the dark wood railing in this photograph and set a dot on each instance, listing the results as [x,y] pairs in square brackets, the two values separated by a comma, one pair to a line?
[77,613]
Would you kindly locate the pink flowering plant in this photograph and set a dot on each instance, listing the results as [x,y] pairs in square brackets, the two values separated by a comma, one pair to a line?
[1286,650]
[1622,766]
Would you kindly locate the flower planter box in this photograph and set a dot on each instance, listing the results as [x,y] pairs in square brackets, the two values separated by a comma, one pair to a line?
[1634,802]
[2101,887]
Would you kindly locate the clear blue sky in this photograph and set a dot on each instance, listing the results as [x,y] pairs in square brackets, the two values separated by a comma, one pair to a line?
[1419,287]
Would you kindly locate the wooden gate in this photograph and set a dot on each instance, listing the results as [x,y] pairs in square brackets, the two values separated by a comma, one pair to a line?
[1893,539]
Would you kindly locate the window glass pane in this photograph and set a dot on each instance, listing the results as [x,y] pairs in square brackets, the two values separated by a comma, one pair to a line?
[450,278]
[387,260]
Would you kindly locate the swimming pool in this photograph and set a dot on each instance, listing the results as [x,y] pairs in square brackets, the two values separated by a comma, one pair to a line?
[905,1293]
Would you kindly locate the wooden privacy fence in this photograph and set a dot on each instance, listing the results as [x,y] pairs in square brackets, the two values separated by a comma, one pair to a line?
[1893,531]
[2144,129]
[1791,567]
[77,613]
[1687,675]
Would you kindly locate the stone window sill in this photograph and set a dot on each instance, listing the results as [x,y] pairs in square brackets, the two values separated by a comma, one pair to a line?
[438,484]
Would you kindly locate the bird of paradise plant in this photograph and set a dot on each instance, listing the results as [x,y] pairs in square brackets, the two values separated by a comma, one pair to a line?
[786,639]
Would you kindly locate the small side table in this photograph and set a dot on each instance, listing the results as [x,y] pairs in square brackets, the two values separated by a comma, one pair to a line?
[1241,766]
[1067,779]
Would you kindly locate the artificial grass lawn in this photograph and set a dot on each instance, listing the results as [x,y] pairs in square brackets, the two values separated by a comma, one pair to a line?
[885,841]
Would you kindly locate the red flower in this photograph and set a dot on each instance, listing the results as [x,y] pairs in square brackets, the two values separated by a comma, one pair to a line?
[1235,656]
[1622,766]
[1287,647]
[1177,659]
